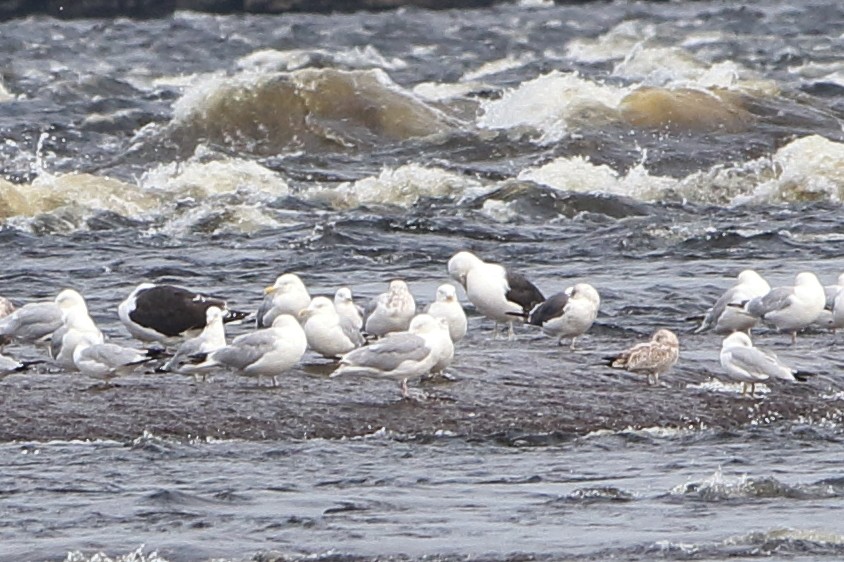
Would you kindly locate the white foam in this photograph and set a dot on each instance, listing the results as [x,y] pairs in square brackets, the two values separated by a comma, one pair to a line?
[809,168]
[496,66]
[137,555]
[402,187]
[551,104]
[613,45]
[578,174]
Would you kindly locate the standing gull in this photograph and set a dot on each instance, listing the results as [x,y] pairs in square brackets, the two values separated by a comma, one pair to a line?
[268,352]
[652,358]
[447,307]
[288,295]
[99,359]
[160,312]
[31,323]
[212,338]
[790,309]
[749,365]
[568,314]
[328,333]
[401,354]
[391,311]
[728,315]
[77,328]
[498,293]
[828,318]
[9,365]
[6,308]
[345,306]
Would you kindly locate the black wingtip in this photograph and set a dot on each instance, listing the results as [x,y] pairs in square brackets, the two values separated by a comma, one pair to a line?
[234,316]
[198,358]
[803,376]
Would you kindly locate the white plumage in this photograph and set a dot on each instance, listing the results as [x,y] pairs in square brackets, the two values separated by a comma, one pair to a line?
[288,295]
[447,307]
[77,328]
[327,332]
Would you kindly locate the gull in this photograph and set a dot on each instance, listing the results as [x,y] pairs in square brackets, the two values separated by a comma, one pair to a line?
[790,309]
[447,307]
[77,328]
[288,295]
[99,359]
[497,292]
[328,333]
[212,338]
[267,352]
[652,358]
[345,306]
[828,318]
[728,315]
[568,314]
[9,365]
[425,346]
[391,311]
[6,308]
[31,323]
[749,365]
[160,312]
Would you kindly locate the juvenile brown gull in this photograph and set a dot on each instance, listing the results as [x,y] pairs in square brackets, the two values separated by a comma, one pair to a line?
[651,358]
[391,311]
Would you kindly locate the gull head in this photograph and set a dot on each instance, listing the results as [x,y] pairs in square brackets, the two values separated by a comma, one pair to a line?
[213,314]
[446,293]
[665,337]
[343,295]
[69,299]
[736,339]
[586,292]
[318,305]
[461,264]
[285,284]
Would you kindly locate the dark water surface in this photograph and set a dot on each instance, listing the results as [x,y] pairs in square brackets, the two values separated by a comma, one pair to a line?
[652,150]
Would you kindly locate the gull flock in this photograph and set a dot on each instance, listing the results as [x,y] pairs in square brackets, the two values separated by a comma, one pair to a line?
[389,338]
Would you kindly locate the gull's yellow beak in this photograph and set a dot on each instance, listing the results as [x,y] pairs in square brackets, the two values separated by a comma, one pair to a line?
[270,289]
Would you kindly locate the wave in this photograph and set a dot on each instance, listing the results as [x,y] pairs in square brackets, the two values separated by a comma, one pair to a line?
[806,169]
[716,488]
[267,113]
[400,187]
[137,555]
[228,194]
[211,193]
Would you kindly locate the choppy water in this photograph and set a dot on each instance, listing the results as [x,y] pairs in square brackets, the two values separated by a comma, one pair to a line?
[653,150]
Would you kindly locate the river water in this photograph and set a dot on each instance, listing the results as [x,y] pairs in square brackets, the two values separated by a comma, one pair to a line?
[653,150]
